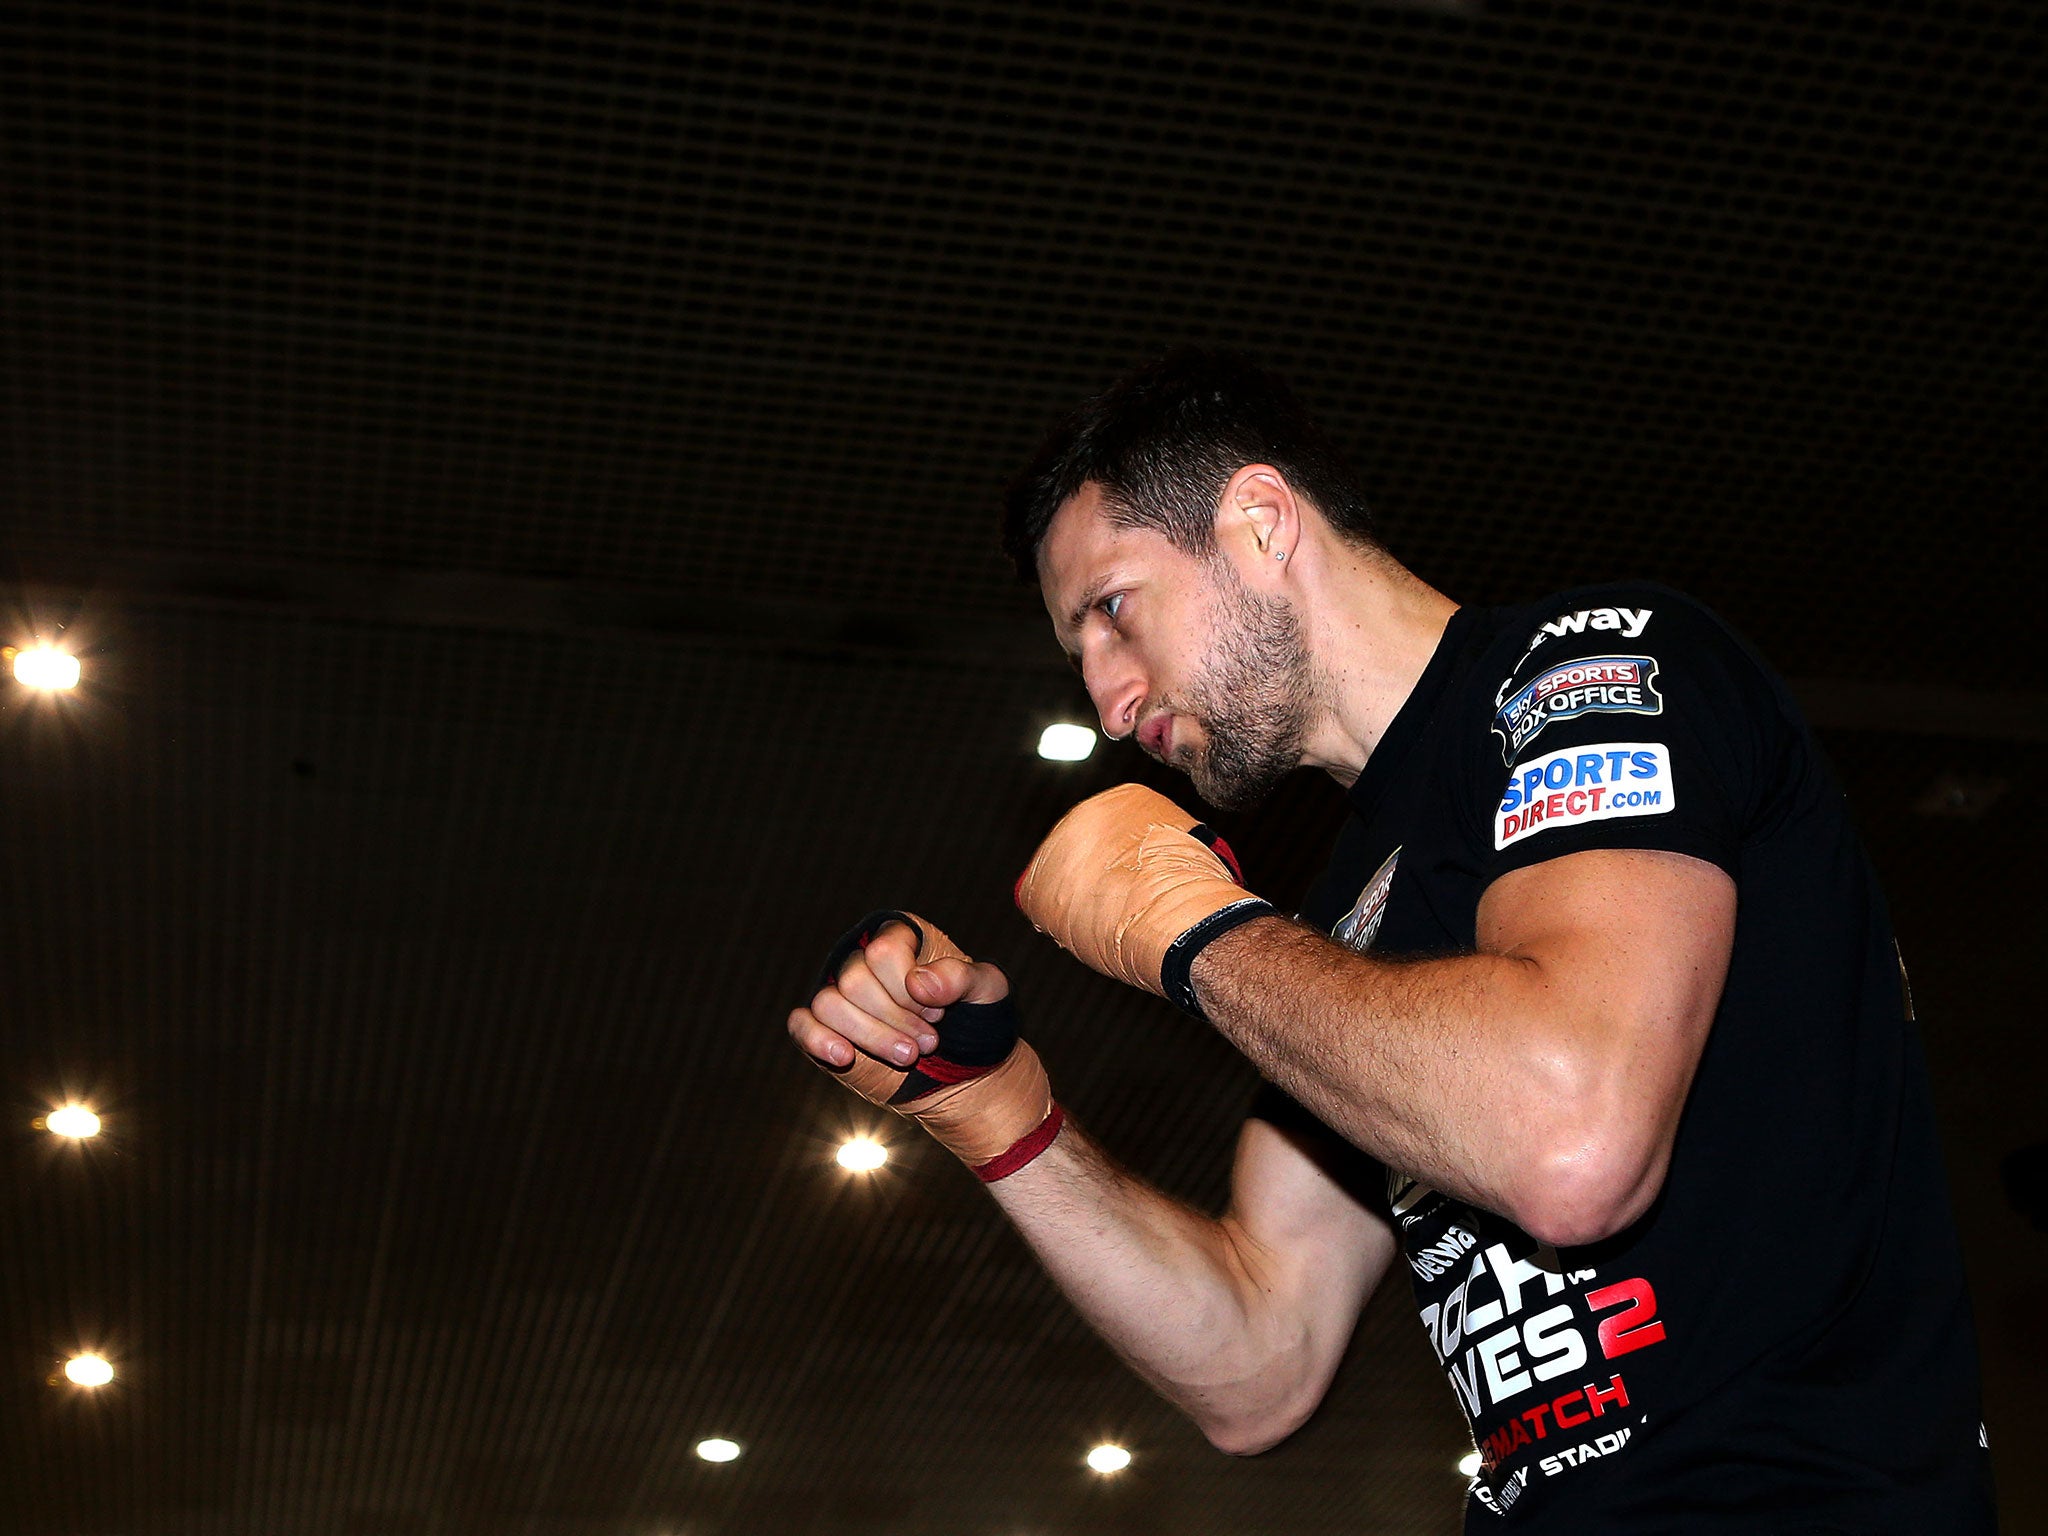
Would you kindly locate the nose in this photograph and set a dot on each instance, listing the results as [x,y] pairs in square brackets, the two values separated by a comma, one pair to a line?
[1116,691]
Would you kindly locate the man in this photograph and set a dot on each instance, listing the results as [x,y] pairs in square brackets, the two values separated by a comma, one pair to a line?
[1595,1017]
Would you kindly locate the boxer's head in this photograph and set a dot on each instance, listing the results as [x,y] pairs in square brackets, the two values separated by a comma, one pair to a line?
[1158,520]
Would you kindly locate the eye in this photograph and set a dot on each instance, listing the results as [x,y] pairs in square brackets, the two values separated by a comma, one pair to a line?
[1111,605]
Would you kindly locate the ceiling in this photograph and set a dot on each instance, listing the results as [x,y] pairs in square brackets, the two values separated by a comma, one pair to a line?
[522,479]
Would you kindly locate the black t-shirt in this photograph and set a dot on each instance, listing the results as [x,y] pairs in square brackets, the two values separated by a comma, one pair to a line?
[1783,1342]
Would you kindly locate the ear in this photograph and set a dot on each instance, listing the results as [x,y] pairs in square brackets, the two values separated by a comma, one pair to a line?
[1258,521]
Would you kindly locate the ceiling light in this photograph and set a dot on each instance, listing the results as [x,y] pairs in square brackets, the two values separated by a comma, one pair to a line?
[1468,1464]
[863,1154]
[88,1370]
[718,1449]
[46,667]
[1962,796]
[1106,1458]
[73,1120]
[1066,743]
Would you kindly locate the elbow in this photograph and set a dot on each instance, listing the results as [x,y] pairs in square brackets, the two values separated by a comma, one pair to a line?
[1588,1191]
[1576,1226]
[1270,1371]
[1252,1434]
[1595,1152]
[1267,1403]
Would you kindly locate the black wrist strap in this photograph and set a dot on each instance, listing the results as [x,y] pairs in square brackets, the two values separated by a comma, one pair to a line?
[974,1038]
[1174,978]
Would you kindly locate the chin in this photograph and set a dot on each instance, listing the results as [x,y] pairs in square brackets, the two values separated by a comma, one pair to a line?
[1242,792]
[1243,801]
[1229,797]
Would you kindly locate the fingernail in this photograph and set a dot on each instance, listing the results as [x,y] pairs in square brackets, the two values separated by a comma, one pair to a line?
[904,1052]
[927,1042]
[932,1015]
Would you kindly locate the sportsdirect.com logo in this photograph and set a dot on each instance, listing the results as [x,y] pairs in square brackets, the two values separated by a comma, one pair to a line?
[1618,685]
[1601,782]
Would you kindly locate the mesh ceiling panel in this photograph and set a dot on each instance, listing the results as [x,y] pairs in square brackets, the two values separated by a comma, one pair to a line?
[773,297]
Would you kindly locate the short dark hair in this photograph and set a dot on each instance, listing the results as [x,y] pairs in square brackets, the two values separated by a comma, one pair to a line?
[1164,440]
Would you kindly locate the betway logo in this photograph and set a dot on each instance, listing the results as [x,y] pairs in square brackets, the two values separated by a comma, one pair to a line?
[1630,621]
[1443,1255]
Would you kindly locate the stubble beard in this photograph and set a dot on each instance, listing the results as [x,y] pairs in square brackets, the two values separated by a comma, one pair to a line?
[1253,697]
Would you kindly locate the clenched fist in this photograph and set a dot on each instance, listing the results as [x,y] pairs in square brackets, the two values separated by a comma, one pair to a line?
[1135,887]
[905,1019]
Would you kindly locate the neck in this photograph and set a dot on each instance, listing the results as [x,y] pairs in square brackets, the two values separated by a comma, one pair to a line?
[1373,626]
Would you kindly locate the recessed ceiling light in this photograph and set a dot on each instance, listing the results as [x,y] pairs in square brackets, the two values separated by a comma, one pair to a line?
[1066,743]
[1962,796]
[73,1120]
[1468,1464]
[88,1370]
[863,1154]
[718,1448]
[44,666]
[1107,1458]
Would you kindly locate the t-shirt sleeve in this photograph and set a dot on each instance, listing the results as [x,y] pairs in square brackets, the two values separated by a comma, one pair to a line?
[1658,731]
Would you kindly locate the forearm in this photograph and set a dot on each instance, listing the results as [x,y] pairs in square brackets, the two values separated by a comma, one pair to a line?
[1447,1069]
[1190,1301]
[1542,1075]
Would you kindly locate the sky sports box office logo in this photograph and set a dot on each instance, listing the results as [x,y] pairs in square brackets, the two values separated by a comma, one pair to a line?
[1615,685]
[1600,782]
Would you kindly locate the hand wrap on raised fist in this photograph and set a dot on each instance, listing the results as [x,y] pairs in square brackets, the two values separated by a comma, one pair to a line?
[1136,888]
[983,1094]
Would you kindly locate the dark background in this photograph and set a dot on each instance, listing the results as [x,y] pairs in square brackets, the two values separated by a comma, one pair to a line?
[522,479]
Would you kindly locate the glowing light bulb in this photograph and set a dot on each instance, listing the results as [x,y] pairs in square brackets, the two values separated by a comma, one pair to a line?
[73,1120]
[863,1154]
[88,1370]
[1468,1464]
[46,667]
[718,1449]
[1106,1458]
[1066,743]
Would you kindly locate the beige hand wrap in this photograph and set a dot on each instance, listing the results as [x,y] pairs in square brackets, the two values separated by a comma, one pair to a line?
[983,1094]
[1134,886]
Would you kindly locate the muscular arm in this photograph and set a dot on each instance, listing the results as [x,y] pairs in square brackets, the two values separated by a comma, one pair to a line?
[1238,1321]
[1542,1076]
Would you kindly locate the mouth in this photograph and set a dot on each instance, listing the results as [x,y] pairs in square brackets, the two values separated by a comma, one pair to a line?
[1156,735]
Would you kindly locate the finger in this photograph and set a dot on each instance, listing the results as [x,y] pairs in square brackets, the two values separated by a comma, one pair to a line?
[879,1039]
[818,1042]
[951,980]
[890,956]
[861,986]
[873,1080]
